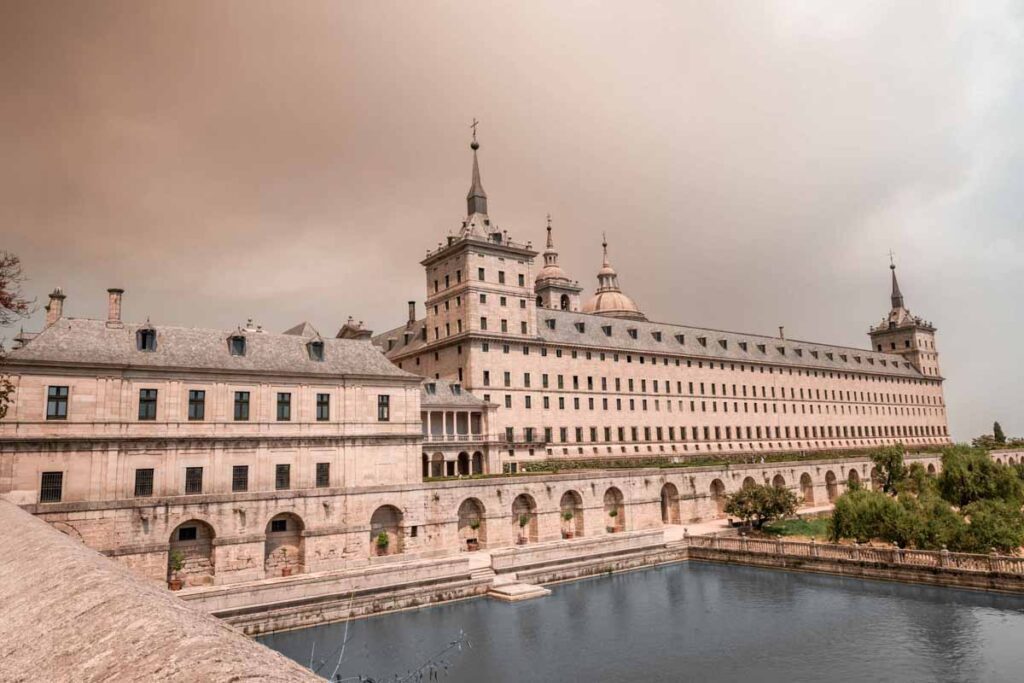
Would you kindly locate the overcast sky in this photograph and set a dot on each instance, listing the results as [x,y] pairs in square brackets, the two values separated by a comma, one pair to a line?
[751,163]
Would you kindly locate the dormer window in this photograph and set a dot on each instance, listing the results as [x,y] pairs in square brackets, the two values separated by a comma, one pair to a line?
[814,353]
[703,341]
[607,329]
[856,359]
[456,390]
[430,388]
[581,327]
[723,343]
[743,345]
[316,349]
[681,338]
[799,352]
[145,339]
[843,357]
[781,349]
[550,323]
[237,345]
[829,355]
[656,335]
[632,332]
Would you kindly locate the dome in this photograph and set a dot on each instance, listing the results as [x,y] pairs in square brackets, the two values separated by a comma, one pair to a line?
[551,272]
[614,305]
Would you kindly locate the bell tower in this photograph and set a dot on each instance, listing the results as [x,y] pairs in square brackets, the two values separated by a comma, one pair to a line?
[905,334]
[553,287]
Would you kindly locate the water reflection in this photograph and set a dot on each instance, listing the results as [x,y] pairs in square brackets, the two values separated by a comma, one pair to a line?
[698,621]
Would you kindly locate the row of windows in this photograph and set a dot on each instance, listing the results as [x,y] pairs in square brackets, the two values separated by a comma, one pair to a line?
[57,405]
[811,394]
[728,433]
[146,338]
[51,488]
[481,274]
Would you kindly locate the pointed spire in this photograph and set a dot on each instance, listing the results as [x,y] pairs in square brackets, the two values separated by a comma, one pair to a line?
[476,200]
[604,245]
[897,297]
[551,243]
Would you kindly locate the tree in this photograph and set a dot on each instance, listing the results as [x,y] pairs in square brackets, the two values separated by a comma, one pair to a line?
[13,305]
[993,524]
[997,433]
[969,475]
[760,504]
[889,467]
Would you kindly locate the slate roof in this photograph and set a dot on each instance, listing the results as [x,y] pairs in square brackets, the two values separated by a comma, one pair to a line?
[444,395]
[93,342]
[719,345]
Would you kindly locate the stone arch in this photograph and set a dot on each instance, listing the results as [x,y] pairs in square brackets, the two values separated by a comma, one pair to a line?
[669,504]
[563,302]
[831,486]
[540,302]
[524,518]
[807,488]
[779,481]
[853,479]
[386,524]
[749,483]
[437,465]
[478,463]
[931,468]
[571,504]
[472,525]
[284,550]
[614,510]
[463,464]
[718,496]
[191,543]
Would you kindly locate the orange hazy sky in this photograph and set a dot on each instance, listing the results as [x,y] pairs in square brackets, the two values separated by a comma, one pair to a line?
[751,163]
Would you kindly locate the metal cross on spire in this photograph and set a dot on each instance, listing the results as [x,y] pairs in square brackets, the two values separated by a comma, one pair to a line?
[473,126]
[892,259]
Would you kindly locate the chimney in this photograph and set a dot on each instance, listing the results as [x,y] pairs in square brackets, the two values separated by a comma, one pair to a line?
[412,313]
[782,332]
[114,307]
[55,309]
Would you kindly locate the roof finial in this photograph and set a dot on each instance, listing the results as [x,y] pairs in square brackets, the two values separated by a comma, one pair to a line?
[551,243]
[896,298]
[604,245]
[476,200]
[474,144]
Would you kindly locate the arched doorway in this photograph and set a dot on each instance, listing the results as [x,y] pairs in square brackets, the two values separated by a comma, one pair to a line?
[807,488]
[478,463]
[853,479]
[718,497]
[463,467]
[669,504]
[284,548]
[570,510]
[564,302]
[614,510]
[749,483]
[437,465]
[524,518]
[190,555]
[931,468]
[386,531]
[831,486]
[472,525]
[778,481]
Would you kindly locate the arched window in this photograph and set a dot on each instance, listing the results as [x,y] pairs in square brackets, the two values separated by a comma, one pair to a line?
[564,302]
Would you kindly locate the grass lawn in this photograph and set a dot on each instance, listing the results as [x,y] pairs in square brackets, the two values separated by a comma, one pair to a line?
[816,527]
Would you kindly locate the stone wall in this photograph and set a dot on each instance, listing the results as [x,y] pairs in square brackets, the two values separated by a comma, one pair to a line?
[69,614]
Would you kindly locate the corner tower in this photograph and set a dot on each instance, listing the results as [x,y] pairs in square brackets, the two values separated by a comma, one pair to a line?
[479,281]
[905,334]
[553,287]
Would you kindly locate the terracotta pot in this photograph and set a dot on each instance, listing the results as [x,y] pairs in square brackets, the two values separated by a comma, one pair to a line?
[610,529]
[521,541]
[174,584]
[472,544]
[382,550]
[567,534]
[286,571]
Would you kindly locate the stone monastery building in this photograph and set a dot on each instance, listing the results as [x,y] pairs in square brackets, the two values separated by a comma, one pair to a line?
[253,454]
[599,378]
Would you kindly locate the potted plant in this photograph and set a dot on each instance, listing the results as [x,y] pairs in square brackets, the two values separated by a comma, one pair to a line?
[286,569]
[473,543]
[523,521]
[612,514]
[382,543]
[567,518]
[177,561]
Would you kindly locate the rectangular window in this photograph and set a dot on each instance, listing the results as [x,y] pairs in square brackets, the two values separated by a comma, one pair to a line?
[483,323]
[501,277]
[479,273]
[193,480]
[51,487]
[144,483]
[323,475]
[383,408]
[522,280]
[240,478]
[282,477]
[196,404]
[57,403]
[241,405]
[323,407]
[284,406]
[147,404]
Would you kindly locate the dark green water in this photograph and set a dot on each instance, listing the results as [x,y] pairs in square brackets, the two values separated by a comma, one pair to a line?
[695,622]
